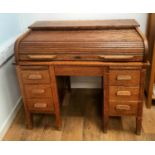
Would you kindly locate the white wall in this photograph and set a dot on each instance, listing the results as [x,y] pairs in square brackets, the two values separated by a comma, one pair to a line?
[9,26]
[82,82]
[9,30]
[9,95]
[9,90]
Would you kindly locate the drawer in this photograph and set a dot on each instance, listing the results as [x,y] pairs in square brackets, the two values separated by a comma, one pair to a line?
[38,91]
[123,108]
[35,76]
[40,105]
[120,93]
[124,77]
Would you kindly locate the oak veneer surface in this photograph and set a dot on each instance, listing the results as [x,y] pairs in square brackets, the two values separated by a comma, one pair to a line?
[85,35]
[85,48]
[84,40]
[81,120]
[84,24]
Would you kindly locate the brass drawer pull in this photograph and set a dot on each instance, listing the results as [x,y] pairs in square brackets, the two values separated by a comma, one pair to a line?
[123,107]
[123,93]
[42,57]
[38,91]
[124,77]
[115,57]
[40,105]
[35,77]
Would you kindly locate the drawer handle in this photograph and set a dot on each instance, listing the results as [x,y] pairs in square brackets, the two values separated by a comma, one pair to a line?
[34,77]
[40,105]
[38,91]
[42,57]
[123,93]
[123,107]
[124,77]
[115,57]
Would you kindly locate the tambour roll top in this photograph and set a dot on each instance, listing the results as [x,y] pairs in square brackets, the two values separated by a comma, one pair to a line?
[106,40]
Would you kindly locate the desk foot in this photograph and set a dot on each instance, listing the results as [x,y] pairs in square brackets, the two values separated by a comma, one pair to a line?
[29,120]
[138,125]
[58,124]
[29,127]
[105,130]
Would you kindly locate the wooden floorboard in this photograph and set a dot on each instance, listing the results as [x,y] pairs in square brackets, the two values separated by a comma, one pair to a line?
[81,120]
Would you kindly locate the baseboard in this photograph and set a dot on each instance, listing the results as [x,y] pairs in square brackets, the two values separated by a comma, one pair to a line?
[10,119]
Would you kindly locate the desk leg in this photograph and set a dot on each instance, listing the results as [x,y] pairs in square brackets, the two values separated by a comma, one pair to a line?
[138,125]
[55,97]
[28,120]
[28,115]
[140,104]
[105,85]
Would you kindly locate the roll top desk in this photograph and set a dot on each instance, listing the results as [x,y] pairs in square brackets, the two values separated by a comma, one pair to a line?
[51,51]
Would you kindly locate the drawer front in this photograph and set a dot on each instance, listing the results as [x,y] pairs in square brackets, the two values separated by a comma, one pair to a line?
[40,105]
[123,108]
[124,77]
[119,93]
[38,91]
[35,76]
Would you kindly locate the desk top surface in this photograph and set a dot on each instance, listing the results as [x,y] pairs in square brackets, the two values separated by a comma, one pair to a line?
[84,24]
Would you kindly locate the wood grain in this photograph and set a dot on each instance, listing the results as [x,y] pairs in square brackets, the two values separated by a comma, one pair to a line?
[124,77]
[109,49]
[82,57]
[115,90]
[79,71]
[121,35]
[38,91]
[84,24]
[90,37]
[123,108]
[85,63]
[40,105]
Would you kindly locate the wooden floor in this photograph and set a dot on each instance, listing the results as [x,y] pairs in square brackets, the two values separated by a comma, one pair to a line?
[81,117]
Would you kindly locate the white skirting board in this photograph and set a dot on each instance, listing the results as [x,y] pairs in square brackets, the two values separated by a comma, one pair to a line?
[6,125]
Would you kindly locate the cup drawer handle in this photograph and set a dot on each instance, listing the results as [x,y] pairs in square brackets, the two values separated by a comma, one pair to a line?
[35,77]
[38,91]
[40,105]
[123,77]
[42,57]
[123,93]
[123,107]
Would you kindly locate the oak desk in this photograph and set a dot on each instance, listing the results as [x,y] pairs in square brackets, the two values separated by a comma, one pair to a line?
[51,51]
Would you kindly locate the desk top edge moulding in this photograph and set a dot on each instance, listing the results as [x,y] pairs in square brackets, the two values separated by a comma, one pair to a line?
[116,50]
